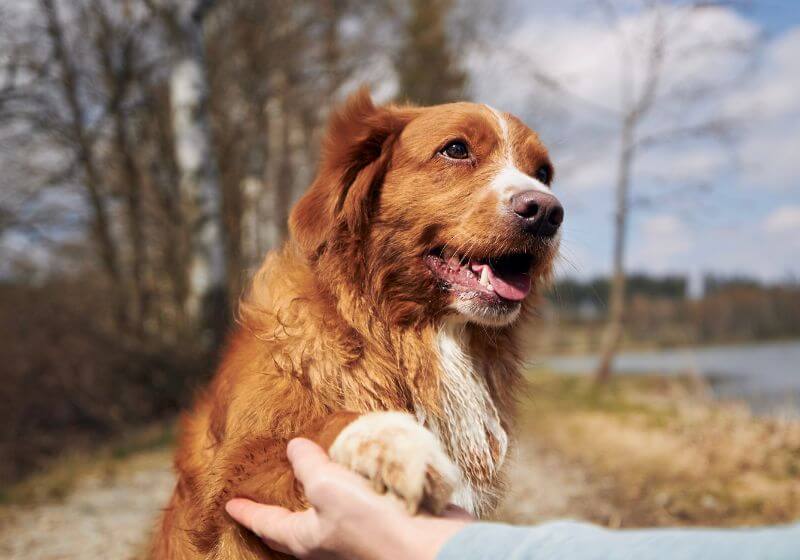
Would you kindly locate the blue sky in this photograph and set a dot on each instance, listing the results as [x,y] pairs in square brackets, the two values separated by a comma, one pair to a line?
[706,207]
[775,16]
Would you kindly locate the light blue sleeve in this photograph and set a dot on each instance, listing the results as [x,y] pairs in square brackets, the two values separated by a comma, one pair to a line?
[569,540]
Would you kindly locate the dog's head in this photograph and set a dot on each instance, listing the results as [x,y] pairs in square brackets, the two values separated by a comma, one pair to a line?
[431,211]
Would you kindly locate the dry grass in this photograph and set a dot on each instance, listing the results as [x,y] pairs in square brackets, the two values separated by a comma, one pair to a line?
[135,450]
[658,453]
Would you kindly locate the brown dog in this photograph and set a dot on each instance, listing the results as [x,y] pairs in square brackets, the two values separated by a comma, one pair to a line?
[384,329]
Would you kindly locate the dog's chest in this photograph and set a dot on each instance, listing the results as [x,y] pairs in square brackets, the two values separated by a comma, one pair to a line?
[469,425]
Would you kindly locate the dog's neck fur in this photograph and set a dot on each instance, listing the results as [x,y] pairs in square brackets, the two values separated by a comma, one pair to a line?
[470,425]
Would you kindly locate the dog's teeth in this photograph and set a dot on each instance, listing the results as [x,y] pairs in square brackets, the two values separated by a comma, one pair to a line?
[485,278]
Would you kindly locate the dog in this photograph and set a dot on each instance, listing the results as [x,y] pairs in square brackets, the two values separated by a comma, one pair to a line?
[385,329]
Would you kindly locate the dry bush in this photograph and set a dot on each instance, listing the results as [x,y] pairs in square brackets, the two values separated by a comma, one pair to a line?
[70,380]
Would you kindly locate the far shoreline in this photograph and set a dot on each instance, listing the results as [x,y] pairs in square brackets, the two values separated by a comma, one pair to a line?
[654,348]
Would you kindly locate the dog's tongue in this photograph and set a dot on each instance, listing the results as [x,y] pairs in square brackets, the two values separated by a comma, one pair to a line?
[510,285]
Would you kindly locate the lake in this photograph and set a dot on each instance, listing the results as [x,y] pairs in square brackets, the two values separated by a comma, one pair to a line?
[766,375]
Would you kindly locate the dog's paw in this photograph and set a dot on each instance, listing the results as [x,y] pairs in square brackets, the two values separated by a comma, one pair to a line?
[400,457]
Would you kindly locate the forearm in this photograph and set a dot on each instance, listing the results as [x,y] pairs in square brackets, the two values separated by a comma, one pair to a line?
[422,538]
[582,541]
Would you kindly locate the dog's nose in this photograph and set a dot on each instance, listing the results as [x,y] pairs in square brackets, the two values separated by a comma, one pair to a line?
[540,212]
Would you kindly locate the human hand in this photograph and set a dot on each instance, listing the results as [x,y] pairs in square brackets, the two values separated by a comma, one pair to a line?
[347,519]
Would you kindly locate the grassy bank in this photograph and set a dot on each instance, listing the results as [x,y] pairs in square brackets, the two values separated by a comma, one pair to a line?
[656,452]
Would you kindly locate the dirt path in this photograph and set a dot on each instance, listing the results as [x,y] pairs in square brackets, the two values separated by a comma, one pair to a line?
[543,486]
[106,516]
[109,516]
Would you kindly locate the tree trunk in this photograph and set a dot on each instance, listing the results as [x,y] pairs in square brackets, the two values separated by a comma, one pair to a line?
[133,187]
[612,335]
[118,74]
[278,174]
[199,184]
[333,49]
[100,223]
[285,183]
[171,248]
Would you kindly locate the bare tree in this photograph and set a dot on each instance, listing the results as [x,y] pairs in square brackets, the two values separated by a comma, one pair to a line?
[633,141]
[635,109]
[116,50]
[644,91]
[81,139]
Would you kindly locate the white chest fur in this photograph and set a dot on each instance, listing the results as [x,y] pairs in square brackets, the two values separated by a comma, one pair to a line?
[469,425]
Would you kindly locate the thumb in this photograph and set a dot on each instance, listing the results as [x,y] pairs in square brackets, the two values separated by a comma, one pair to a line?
[306,457]
[281,529]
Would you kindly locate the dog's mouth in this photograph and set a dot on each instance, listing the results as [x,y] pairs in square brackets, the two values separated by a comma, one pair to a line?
[503,278]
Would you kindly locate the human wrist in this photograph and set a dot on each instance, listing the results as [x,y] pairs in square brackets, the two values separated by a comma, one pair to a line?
[424,537]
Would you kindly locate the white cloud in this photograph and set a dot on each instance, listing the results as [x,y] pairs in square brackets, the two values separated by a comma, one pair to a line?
[588,172]
[772,89]
[660,244]
[758,89]
[784,220]
[665,235]
[770,103]
[683,165]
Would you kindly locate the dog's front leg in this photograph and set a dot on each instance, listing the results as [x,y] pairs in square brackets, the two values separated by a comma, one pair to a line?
[390,449]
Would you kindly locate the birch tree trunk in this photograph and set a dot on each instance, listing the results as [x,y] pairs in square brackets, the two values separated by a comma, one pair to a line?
[199,180]
[638,106]
[612,335]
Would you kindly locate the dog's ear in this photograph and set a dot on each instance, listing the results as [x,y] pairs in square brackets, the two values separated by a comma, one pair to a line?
[356,155]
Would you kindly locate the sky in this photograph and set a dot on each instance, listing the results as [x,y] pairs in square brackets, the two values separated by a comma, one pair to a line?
[701,205]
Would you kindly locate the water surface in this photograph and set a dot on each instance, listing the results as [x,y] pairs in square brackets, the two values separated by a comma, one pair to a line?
[766,375]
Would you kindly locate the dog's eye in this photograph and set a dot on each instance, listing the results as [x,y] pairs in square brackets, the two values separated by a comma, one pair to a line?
[544,174]
[455,150]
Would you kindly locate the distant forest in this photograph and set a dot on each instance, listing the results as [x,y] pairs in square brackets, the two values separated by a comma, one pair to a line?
[660,311]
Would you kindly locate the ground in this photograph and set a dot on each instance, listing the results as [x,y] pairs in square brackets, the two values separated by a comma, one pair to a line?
[105,514]
[640,452]
[86,523]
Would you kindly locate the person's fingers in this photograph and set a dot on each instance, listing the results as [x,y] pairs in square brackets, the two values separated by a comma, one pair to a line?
[281,529]
[306,457]
[259,518]
[325,483]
